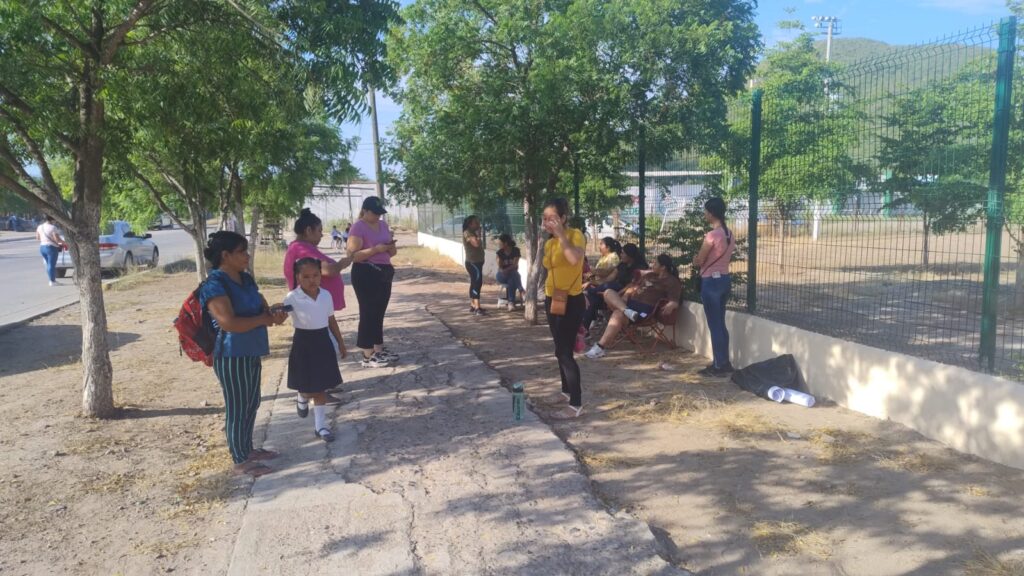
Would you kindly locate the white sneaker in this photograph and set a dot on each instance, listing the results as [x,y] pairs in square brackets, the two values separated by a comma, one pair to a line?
[631,314]
[511,307]
[595,352]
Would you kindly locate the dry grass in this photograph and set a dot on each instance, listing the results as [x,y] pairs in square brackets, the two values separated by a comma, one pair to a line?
[205,482]
[740,422]
[423,257]
[676,408]
[916,462]
[789,539]
[985,564]
[134,279]
[597,461]
[834,446]
[108,483]
[977,491]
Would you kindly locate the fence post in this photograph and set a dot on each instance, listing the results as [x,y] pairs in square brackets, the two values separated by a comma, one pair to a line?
[754,177]
[996,190]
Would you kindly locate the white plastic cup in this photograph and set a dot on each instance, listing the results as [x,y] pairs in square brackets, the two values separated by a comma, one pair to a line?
[777,394]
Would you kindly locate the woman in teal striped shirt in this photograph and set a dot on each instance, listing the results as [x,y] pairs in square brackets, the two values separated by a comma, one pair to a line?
[240,316]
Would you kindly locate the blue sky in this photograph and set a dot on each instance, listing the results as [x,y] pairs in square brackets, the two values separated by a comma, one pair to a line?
[892,21]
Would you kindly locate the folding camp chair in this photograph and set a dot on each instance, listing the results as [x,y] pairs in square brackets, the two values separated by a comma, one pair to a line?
[659,322]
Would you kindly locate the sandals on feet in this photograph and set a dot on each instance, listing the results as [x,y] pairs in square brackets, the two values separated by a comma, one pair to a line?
[252,468]
[325,434]
[259,454]
[568,413]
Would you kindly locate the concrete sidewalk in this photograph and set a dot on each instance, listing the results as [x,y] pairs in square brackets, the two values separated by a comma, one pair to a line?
[429,475]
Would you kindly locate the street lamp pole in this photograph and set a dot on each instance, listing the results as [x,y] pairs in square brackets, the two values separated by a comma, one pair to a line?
[832,28]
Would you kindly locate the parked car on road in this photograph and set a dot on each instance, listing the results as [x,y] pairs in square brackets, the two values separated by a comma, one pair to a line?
[161,222]
[120,249]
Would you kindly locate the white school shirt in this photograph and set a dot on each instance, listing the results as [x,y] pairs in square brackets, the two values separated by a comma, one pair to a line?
[309,314]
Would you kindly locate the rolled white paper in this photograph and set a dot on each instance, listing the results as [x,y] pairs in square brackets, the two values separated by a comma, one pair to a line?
[797,397]
[777,394]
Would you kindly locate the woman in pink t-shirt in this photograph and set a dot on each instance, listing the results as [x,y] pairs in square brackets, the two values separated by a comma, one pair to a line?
[371,246]
[309,230]
[716,286]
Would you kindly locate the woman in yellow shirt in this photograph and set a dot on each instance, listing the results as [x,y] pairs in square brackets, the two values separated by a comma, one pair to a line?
[564,301]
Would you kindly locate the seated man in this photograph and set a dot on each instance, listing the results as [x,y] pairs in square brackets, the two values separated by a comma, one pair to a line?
[638,301]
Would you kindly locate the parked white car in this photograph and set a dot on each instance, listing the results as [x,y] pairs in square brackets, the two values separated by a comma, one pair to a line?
[120,249]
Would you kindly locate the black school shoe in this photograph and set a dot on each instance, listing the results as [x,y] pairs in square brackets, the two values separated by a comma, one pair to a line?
[712,372]
[302,409]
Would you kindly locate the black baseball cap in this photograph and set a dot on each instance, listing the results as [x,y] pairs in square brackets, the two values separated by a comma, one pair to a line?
[374,204]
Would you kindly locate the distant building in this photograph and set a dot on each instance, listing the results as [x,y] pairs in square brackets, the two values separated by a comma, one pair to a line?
[340,203]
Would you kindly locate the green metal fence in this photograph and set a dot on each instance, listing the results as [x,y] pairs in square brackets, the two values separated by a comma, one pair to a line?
[881,202]
[880,208]
[446,222]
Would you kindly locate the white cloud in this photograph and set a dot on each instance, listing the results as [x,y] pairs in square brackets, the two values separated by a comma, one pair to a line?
[972,7]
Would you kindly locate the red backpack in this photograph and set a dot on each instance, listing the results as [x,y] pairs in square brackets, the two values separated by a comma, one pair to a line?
[196,335]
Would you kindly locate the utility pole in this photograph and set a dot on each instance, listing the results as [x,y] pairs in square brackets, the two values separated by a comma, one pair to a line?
[376,144]
[832,28]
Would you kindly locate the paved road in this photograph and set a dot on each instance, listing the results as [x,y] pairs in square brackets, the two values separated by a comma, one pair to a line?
[23,289]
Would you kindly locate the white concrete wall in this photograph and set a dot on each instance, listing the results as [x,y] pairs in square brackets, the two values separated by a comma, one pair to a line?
[969,411]
[456,252]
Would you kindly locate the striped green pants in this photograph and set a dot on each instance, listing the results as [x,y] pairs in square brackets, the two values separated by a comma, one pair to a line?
[240,381]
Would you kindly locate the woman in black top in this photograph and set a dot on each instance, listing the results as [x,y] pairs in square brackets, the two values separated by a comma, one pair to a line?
[508,269]
[630,260]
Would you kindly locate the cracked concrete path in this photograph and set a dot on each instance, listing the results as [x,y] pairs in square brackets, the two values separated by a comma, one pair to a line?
[429,475]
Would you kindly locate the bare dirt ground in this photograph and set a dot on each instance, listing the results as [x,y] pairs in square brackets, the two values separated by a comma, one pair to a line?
[146,493]
[732,484]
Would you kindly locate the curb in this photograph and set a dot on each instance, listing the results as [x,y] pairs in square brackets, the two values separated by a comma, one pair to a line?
[12,325]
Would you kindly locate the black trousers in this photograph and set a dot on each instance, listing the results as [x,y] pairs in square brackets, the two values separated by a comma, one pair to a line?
[476,279]
[563,331]
[372,284]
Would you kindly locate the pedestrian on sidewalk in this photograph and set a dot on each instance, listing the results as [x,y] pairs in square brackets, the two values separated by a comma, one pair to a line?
[371,246]
[473,246]
[313,360]
[564,303]
[716,284]
[508,271]
[51,242]
[309,230]
[240,316]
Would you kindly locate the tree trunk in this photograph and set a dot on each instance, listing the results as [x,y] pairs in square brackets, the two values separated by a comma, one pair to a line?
[1018,286]
[924,247]
[238,209]
[254,239]
[98,373]
[198,238]
[782,244]
[97,385]
[535,256]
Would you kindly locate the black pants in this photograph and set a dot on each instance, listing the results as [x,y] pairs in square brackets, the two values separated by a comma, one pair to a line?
[476,279]
[595,296]
[563,331]
[372,284]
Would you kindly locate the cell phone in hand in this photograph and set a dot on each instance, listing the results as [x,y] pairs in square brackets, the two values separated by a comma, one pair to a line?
[282,308]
